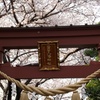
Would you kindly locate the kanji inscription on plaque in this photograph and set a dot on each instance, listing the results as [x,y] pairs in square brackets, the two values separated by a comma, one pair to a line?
[48,55]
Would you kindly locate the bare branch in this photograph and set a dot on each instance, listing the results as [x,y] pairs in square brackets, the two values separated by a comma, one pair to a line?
[67,55]
[17,55]
[14,14]
[41,82]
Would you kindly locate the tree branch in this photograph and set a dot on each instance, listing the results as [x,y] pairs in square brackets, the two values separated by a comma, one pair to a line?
[67,55]
[14,14]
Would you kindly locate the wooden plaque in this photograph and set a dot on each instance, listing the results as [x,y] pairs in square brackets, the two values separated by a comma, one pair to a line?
[48,55]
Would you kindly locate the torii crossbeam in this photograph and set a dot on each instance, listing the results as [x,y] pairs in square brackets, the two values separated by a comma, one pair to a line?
[70,36]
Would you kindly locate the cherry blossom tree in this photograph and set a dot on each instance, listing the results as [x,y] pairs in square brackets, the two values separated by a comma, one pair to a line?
[22,13]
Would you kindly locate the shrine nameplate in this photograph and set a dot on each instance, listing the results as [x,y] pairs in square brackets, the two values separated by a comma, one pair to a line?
[48,55]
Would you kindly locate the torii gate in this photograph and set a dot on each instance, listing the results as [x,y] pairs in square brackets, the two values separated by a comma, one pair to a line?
[69,36]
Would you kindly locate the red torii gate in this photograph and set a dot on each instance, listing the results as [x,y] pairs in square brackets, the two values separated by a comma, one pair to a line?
[69,36]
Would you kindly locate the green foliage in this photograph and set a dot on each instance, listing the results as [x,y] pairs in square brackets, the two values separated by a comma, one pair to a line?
[97,58]
[98,23]
[91,52]
[92,89]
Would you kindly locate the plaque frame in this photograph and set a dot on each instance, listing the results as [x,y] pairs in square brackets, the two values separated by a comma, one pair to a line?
[48,52]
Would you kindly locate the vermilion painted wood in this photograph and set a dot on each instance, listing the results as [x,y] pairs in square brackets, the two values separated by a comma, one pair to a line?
[33,72]
[67,36]
[70,36]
